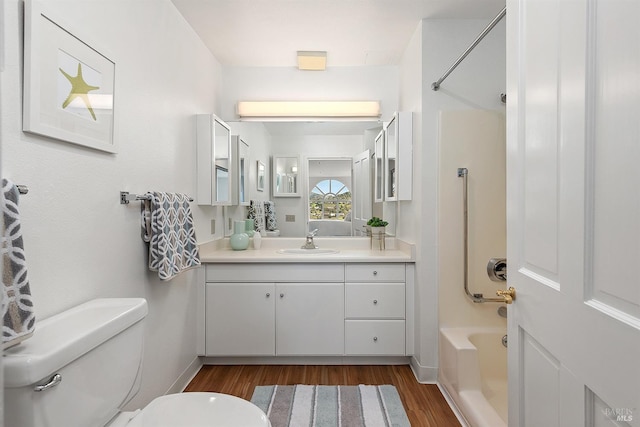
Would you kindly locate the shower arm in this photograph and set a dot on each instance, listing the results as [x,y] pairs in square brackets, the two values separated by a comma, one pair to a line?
[477,298]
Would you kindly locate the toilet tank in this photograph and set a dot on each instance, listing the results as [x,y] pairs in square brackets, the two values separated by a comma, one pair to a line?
[96,348]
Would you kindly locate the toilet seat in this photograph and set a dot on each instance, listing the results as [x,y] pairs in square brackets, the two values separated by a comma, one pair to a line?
[200,410]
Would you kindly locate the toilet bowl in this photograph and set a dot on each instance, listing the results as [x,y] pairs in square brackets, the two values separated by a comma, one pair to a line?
[46,376]
[194,409]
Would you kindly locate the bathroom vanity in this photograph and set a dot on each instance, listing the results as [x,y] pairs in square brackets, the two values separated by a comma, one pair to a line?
[266,304]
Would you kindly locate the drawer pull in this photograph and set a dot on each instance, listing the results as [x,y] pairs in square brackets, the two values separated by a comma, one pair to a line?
[375,339]
[268,294]
[281,295]
[375,273]
[375,301]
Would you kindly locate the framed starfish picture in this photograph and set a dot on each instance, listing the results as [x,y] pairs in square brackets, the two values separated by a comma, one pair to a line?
[69,85]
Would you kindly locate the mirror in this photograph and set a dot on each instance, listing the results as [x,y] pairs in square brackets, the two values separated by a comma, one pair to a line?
[391,148]
[379,168]
[241,173]
[222,155]
[303,141]
[261,176]
[285,176]
[213,155]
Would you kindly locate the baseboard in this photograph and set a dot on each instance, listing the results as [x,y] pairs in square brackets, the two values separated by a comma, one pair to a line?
[423,374]
[185,377]
[307,360]
[453,406]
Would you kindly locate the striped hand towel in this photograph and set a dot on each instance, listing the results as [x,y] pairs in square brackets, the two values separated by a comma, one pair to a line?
[17,308]
[167,225]
[256,212]
[270,216]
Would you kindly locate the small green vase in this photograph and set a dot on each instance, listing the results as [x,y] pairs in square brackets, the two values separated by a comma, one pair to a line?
[249,225]
[239,240]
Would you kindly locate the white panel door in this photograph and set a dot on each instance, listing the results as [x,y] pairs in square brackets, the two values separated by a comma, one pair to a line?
[361,204]
[573,233]
[240,319]
[310,319]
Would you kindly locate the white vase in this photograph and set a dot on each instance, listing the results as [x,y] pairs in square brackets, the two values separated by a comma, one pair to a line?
[257,241]
[378,238]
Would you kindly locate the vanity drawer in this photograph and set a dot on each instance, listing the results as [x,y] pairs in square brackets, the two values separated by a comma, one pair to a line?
[375,272]
[374,337]
[374,300]
[271,272]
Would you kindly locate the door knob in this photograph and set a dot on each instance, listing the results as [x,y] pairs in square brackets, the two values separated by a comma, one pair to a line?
[508,294]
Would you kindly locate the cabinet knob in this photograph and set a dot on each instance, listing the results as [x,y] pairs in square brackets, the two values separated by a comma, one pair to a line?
[375,301]
[281,295]
[268,294]
[375,339]
[375,273]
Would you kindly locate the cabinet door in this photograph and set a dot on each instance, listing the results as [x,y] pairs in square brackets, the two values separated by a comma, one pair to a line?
[240,319]
[378,195]
[310,319]
[213,160]
[240,181]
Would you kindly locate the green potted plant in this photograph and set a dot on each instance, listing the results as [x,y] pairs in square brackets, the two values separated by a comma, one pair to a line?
[377,225]
[378,232]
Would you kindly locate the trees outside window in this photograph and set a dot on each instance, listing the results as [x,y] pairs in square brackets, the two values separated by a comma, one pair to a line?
[329,199]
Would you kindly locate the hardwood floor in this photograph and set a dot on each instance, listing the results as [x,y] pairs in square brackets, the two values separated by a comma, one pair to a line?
[425,405]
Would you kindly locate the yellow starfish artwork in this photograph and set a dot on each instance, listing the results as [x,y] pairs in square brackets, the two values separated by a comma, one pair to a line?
[79,89]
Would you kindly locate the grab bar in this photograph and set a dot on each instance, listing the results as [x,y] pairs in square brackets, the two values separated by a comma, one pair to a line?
[477,298]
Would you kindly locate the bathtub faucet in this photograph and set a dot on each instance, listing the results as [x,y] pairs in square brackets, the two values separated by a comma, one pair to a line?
[308,244]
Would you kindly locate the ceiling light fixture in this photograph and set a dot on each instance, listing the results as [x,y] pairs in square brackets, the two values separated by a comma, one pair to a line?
[309,109]
[312,60]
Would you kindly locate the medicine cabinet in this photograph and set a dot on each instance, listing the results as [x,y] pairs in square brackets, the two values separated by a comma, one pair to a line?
[286,177]
[213,160]
[395,181]
[240,182]
[379,168]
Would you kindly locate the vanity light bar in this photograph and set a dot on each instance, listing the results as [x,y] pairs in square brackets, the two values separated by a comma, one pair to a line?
[357,109]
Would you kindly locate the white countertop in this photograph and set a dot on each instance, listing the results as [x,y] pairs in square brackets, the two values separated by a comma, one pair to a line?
[350,249]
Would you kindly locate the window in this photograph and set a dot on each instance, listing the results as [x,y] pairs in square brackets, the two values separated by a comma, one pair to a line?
[329,199]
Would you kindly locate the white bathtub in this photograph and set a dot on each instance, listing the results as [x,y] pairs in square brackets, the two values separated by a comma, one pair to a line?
[473,371]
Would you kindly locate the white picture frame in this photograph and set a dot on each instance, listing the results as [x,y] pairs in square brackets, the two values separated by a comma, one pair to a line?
[69,85]
[261,176]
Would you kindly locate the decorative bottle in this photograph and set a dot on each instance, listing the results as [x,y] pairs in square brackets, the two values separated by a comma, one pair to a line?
[257,241]
[239,240]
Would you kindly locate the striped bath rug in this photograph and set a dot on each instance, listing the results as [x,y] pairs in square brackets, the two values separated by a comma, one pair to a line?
[331,406]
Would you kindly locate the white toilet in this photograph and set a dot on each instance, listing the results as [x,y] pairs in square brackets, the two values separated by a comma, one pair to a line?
[83,365]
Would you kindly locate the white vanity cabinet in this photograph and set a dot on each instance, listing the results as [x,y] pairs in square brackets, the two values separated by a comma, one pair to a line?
[307,309]
[375,314]
[274,309]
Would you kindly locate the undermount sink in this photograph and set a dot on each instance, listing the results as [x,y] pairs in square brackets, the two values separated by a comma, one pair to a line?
[300,251]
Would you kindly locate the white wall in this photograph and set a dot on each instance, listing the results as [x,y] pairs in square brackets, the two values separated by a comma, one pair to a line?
[476,84]
[80,242]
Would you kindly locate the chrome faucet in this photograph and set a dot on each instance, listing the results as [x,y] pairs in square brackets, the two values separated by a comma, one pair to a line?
[308,244]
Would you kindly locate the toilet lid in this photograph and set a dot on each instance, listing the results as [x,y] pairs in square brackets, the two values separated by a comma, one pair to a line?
[200,410]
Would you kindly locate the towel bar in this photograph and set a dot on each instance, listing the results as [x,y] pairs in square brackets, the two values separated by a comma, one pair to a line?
[23,189]
[126,197]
